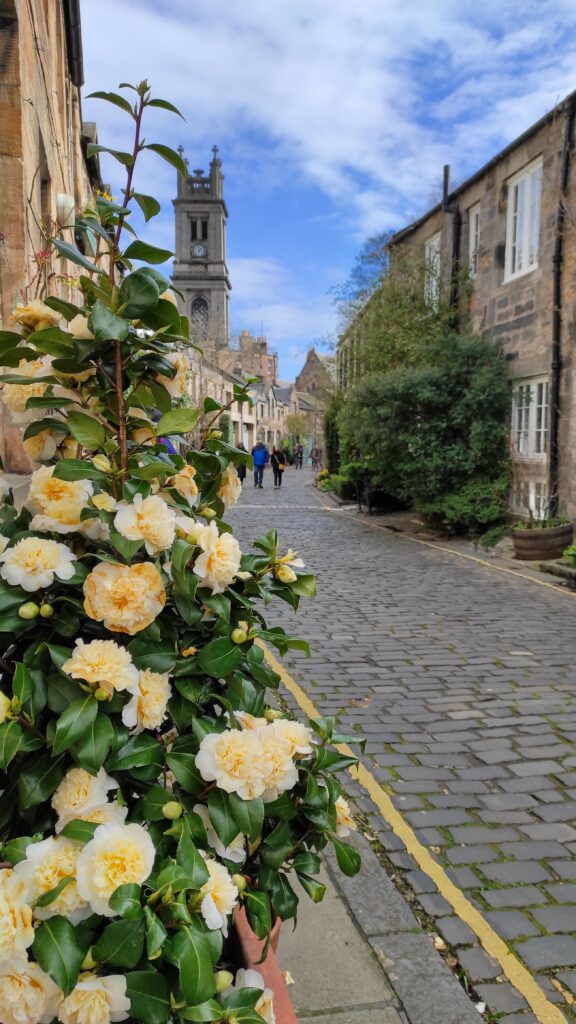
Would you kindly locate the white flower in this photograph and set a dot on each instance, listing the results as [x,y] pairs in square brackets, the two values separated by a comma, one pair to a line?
[103,663]
[219,896]
[253,979]
[78,326]
[235,851]
[220,559]
[297,735]
[58,503]
[116,855]
[80,793]
[230,487]
[34,316]
[27,994]
[148,519]
[235,760]
[5,707]
[282,773]
[15,396]
[34,561]
[344,820]
[41,447]
[176,386]
[16,931]
[44,867]
[96,1000]
[147,709]
[184,483]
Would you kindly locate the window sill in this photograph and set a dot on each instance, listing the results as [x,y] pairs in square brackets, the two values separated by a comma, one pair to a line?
[510,278]
[540,458]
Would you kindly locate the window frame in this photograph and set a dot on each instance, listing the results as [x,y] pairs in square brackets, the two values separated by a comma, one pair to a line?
[531,419]
[473,239]
[523,183]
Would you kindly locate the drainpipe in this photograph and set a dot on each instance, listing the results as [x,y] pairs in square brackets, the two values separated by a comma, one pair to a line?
[556,365]
[454,210]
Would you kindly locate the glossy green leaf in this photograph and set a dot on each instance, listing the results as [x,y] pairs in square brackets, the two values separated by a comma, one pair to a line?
[121,943]
[138,294]
[77,469]
[248,815]
[189,858]
[126,901]
[185,772]
[155,933]
[112,97]
[178,421]
[219,657]
[126,159]
[57,950]
[87,431]
[72,253]
[190,950]
[165,106]
[284,899]
[74,723]
[80,831]
[38,779]
[92,748]
[147,253]
[105,325]
[304,585]
[138,751]
[48,897]
[221,816]
[349,860]
[312,886]
[207,1011]
[149,996]
[258,912]
[14,850]
[170,156]
[148,204]
[11,739]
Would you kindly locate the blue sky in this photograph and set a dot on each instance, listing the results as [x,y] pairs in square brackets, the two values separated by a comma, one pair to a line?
[333,117]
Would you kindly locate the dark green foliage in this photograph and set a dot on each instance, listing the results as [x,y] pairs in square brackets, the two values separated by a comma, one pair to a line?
[436,435]
[331,434]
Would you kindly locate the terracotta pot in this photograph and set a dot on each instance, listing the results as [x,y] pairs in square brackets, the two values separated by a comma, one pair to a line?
[251,948]
[542,543]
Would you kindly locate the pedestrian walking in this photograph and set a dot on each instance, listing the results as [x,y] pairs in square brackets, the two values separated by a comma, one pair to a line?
[241,468]
[299,455]
[261,457]
[315,457]
[278,463]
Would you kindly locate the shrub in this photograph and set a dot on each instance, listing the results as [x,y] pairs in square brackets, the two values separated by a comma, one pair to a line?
[343,487]
[331,433]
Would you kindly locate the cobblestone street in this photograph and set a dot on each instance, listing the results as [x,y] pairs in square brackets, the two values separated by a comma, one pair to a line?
[463,681]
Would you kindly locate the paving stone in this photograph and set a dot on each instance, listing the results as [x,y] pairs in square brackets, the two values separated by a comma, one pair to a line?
[568,979]
[556,919]
[507,801]
[454,931]
[464,878]
[482,834]
[501,998]
[510,924]
[471,854]
[562,893]
[533,784]
[423,819]
[537,768]
[478,965]
[511,873]
[564,868]
[519,896]
[403,861]
[532,850]
[498,756]
[434,904]
[548,951]
[557,812]
[558,831]
[430,836]
[419,881]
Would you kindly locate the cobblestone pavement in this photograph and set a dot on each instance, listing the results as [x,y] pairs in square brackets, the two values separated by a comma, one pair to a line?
[463,681]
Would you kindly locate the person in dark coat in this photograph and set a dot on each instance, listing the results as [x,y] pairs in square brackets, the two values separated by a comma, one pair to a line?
[278,463]
[241,468]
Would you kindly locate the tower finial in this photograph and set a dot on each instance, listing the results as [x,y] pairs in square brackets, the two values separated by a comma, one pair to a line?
[215,150]
[181,149]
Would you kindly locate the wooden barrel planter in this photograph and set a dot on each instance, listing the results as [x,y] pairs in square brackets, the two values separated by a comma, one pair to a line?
[251,951]
[542,543]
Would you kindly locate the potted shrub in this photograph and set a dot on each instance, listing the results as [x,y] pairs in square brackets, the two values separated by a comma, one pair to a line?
[148,788]
[541,539]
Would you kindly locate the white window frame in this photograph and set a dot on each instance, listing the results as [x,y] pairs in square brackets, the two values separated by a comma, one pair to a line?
[432,256]
[530,497]
[473,239]
[523,221]
[531,418]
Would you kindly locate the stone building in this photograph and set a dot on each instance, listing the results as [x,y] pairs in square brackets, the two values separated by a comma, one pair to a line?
[315,377]
[42,153]
[511,229]
[251,356]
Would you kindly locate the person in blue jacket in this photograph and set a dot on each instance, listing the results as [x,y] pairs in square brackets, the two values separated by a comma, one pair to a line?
[261,455]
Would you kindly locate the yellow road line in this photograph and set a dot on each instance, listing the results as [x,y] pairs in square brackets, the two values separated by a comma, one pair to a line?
[450,551]
[545,1011]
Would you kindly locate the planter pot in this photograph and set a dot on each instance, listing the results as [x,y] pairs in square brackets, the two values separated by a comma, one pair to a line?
[542,544]
[251,951]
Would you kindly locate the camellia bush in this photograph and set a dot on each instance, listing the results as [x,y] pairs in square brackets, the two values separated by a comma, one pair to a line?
[148,789]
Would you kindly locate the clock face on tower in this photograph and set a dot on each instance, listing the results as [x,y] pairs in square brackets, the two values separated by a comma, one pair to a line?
[198,249]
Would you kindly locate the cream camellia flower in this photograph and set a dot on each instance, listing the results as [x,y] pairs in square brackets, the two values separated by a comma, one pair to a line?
[298,736]
[34,316]
[285,574]
[5,707]
[235,851]
[290,559]
[344,820]
[248,721]
[230,487]
[220,559]
[78,326]
[27,994]
[148,519]
[235,760]
[146,434]
[147,709]
[57,503]
[282,773]
[41,447]
[183,481]
[16,931]
[96,1000]
[43,868]
[80,793]
[15,396]
[104,502]
[126,598]
[116,855]
[104,664]
[176,386]
[219,896]
[169,296]
[253,979]
[33,563]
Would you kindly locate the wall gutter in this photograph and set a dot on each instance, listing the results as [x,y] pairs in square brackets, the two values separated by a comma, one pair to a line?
[71,10]
[556,364]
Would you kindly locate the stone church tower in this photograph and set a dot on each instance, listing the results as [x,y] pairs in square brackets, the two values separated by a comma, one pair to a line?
[200,270]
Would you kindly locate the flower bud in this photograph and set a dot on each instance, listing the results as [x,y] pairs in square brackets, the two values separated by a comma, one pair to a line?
[172,810]
[244,575]
[101,462]
[30,610]
[270,715]
[188,652]
[46,611]
[101,694]
[5,706]
[223,980]
[88,963]
[238,636]
[285,574]
[206,512]
[168,895]
[214,435]
[240,882]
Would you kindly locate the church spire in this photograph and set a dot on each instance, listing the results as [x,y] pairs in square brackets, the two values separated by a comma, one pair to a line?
[216,176]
